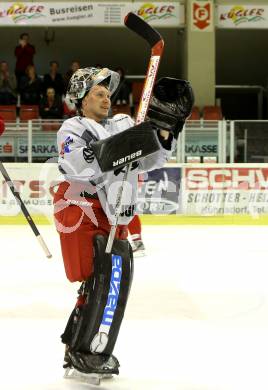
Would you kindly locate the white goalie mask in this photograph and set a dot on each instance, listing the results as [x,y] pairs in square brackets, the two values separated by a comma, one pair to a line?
[84,79]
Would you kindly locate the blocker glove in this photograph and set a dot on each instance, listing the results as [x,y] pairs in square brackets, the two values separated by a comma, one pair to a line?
[170,105]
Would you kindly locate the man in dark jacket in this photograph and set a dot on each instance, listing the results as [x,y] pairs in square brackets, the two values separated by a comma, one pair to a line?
[24,53]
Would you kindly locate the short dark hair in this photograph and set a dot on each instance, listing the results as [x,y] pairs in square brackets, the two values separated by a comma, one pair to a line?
[78,106]
[53,62]
[23,34]
[105,83]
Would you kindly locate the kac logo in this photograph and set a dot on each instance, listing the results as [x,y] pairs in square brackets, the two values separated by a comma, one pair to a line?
[65,146]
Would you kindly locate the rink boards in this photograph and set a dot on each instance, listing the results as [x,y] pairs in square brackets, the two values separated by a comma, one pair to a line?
[175,194]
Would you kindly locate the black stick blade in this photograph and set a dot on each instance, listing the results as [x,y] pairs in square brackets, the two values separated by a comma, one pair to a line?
[140,27]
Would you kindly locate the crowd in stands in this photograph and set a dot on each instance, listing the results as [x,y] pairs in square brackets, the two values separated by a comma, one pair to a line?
[25,87]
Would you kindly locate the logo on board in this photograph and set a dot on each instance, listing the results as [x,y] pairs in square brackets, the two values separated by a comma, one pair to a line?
[240,14]
[21,12]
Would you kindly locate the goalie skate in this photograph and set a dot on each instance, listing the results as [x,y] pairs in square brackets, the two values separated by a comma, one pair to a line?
[92,379]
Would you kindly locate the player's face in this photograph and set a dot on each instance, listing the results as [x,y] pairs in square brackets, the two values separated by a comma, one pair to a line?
[97,103]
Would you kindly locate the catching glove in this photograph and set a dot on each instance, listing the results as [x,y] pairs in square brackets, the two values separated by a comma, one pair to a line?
[171,104]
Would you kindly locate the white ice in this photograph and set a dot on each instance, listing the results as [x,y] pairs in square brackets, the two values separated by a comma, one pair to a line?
[197,318]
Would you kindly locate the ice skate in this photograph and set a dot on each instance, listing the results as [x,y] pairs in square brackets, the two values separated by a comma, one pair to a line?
[138,248]
[90,368]
[66,360]
[93,379]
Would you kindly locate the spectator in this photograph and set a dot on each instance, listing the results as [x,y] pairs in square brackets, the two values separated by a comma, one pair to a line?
[54,79]
[51,105]
[75,65]
[122,94]
[98,66]
[30,87]
[69,108]
[24,53]
[8,85]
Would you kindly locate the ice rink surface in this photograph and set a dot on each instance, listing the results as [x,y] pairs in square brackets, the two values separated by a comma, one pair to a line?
[197,318]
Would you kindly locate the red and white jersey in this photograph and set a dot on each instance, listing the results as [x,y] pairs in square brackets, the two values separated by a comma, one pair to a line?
[77,163]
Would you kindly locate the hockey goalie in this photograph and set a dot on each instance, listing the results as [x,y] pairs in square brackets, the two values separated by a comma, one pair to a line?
[93,154]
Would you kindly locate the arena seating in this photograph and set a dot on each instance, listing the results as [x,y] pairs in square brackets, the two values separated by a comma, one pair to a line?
[195,115]
[212,113]
[51,126]
[29,112]
[8,112]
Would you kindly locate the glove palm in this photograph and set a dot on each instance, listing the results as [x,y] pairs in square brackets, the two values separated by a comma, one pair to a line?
[171,104]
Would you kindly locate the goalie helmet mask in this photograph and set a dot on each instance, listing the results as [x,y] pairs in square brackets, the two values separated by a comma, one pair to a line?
[84,79]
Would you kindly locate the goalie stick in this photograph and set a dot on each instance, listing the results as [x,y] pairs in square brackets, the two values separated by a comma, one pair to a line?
[20,202]
[156,42]
[24,210]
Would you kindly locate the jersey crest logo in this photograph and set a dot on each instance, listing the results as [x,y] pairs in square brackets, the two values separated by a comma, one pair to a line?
[65,146]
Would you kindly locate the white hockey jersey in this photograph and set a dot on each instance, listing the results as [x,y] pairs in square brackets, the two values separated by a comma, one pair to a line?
[78,164]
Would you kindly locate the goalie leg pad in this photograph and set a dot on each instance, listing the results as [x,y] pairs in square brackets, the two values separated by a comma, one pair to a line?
[107,290]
